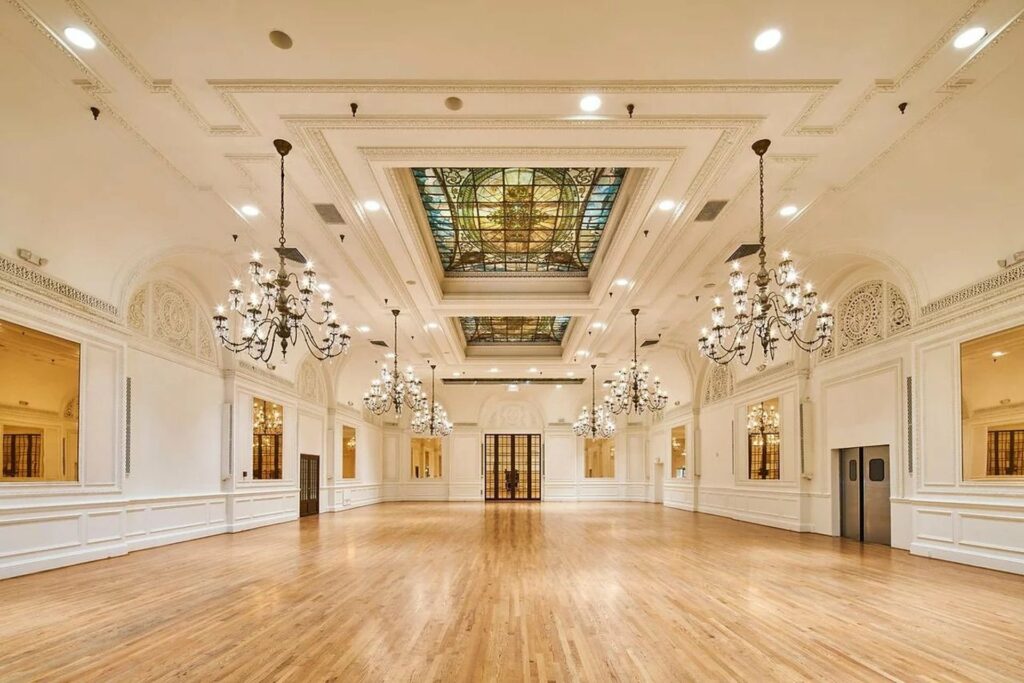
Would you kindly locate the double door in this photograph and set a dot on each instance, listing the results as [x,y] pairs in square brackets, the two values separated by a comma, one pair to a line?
[864,486]
[512,466]
[309,485]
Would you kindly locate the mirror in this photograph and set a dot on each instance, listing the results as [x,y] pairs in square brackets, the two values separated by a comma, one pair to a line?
[763,444]
[39,403]
[992,405]
[426,457]
[679,452]
[348,452]
[267,439]
[599,458]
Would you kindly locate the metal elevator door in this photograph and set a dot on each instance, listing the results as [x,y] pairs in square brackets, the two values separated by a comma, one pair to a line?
[865,484]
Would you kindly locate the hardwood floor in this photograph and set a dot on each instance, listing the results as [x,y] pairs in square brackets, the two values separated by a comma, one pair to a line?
[462,591]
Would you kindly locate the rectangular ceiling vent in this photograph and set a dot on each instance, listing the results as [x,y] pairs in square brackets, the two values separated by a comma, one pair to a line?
[379,342]
[711,210]
[329,214]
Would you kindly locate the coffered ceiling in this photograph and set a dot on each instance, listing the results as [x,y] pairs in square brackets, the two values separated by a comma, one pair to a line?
[598,212]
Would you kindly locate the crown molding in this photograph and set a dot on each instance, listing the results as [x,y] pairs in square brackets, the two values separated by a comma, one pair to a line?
[49,287]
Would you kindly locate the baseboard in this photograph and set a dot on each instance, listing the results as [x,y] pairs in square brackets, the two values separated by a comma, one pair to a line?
[42,564]
[155,540]
[256,522]
[753,518]
[971,557]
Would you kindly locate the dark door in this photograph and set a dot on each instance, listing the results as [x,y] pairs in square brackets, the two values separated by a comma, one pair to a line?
[309,485]
[865,510]
[512,466]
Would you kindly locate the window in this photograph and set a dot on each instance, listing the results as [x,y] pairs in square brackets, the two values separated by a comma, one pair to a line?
[992,405]
[763,446]
[426,458]
[267,432]
[678,452]
[599,458]
[1005,452]
[348,452]
[876,469]
[39,404]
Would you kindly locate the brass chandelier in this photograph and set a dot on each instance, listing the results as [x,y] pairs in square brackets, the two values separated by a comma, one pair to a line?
[394,390]
[594,422]
[633,391]
[271,314]
[430,416]
[779,306]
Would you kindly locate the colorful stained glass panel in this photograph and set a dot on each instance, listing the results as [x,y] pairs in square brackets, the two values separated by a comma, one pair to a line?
[517,220]
[544,329]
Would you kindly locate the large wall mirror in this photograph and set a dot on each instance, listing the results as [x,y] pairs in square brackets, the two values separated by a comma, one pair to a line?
[426,457]
[992,405]
[678,437]
[348,452]
[763,443]
[267,439]
[599,458]
[39,390]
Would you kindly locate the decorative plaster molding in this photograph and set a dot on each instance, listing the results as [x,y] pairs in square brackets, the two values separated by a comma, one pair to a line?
[165,313]
[870,312]
[43,284]
[585,154]
[311,382]
[718,384]
[1003,279]
[265,375]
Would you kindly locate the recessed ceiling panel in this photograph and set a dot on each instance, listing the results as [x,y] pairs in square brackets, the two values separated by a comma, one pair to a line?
[537,221]
[543,329]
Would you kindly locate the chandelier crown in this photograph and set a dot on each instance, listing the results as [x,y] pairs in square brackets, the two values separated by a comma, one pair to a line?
[272,315]
[779,306]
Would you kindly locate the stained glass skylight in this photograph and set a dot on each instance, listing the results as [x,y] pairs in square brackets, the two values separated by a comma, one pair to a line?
[517,220]
[544,329]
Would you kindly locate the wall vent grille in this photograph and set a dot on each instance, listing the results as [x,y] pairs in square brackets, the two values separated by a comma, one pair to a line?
[128,427]
[329,214]
[910,425]
[710,210]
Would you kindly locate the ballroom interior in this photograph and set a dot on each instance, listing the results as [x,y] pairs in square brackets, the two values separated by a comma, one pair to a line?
[465,341]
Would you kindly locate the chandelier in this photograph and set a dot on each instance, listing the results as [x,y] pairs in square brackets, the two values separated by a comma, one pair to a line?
[631,391]
[778,308]
[763,419]
[272,314]
[430,416]
[393,389]
[266,417]
[594,422]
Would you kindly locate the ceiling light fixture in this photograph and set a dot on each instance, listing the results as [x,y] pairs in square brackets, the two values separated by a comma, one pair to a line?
[599,326]
[80,38]
[998,354]
[631,391]
[532,370]
[493,370]
[456,374]
[777,308]
[250,210]
[621,282]
[590,103]
[363,328]
[788,210]
[371,205]
[432,326]
[430,416]
[969,37]
[271,315]
[393,390]
[767,39]
[666,205]
[594,422]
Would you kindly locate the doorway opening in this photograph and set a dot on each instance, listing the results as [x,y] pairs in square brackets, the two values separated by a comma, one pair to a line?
[309,485]
[512,466]
[864,491]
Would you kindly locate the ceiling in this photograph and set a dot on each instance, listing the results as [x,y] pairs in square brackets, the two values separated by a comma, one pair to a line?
[191,95]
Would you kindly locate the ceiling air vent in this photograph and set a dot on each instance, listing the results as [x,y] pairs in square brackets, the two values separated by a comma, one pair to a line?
[378,342]
[329,214]
[711,210]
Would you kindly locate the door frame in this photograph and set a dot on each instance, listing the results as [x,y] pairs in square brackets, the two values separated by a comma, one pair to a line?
[303,459]
[529,470]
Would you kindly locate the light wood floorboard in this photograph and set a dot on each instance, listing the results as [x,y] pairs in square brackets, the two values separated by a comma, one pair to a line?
[510,592]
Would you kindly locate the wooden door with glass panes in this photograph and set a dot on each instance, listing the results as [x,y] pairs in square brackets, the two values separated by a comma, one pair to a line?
[512,466]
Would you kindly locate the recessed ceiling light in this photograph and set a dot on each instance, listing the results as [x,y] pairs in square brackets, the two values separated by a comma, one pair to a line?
[532,370]
[456,374]
[80,38]
[621,282]
[371,205]
[250,210]
[363,328]
[432,326]
[570,374]
[389,355]
[788,210]
[513,387]
[599,326]
[493,370]
[969,37]
[590,103]
[998,354]
[558,386]
[583,354]
[767,39]
[666,205]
